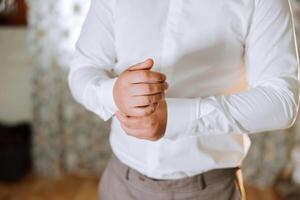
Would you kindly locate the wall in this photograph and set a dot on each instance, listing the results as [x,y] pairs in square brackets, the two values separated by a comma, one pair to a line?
[15,76]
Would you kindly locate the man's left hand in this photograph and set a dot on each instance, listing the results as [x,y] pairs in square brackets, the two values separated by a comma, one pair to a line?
[151,127]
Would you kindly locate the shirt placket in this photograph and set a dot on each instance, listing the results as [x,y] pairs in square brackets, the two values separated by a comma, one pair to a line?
[168,55]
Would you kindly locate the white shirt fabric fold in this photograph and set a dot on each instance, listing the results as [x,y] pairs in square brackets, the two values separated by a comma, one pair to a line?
[231,66]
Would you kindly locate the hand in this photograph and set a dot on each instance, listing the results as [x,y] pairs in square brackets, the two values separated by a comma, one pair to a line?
[138,90]
[151,127]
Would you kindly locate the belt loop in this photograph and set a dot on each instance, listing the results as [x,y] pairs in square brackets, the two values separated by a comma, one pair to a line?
[127,173]
[202,181]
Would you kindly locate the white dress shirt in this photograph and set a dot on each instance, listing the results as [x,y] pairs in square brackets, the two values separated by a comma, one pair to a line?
[231,66]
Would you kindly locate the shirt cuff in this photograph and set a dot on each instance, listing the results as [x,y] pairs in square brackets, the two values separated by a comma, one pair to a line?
[107,98]
[181,117]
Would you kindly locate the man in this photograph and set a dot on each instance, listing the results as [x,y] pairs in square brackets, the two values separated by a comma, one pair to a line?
[185,82]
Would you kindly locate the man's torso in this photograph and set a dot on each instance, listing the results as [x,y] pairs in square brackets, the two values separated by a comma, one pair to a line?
[199,45]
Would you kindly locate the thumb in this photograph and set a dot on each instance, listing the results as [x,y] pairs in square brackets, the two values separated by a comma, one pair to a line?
[146,65]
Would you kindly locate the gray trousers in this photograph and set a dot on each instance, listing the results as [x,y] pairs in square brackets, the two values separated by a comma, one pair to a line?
[120,182]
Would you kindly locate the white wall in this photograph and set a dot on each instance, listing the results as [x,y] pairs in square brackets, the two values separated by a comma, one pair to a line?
[15,76]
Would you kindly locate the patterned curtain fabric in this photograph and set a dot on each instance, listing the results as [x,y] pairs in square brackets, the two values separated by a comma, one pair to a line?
[67,138]
[70,139]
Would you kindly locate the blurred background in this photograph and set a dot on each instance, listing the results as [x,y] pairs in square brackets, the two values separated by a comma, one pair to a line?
[52,148]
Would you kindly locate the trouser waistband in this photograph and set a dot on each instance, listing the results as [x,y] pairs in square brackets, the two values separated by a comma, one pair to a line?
[203,179]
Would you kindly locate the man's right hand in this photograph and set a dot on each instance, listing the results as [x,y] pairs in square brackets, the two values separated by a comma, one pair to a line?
[138,90]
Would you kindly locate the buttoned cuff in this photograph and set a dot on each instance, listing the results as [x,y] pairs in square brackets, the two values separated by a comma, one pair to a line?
[181,117]
[107,98]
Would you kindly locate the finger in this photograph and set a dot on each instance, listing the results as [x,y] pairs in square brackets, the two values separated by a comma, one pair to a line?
[146,100]
[146,65]
[122,118]
[128,127]
[142,89]
[142,111]
[146,76]
[131,126]
[135,122]
[131,132]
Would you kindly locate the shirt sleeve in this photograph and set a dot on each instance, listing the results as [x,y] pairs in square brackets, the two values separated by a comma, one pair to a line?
[272,98]
[90,78]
